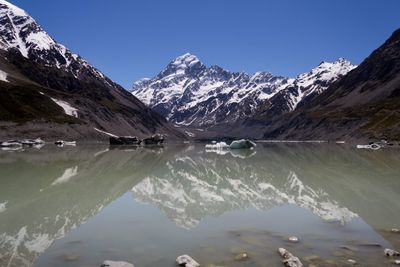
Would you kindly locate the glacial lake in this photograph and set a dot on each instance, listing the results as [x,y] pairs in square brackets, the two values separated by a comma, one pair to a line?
[78,206]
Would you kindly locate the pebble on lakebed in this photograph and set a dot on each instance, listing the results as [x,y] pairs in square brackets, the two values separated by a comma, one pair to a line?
[293,239]
[116,264]
[71,257]
[242,256]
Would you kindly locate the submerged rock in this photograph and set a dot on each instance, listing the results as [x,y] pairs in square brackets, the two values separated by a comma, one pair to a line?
[186,261]
[391,253]
[293,239]
[289,259]
[71,257]
[241,256]
[312,258]
[116,264]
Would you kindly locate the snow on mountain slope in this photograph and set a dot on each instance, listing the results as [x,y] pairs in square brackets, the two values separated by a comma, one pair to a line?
[3,76]
[318,79]
[189,93]
[20,31]
[37,63]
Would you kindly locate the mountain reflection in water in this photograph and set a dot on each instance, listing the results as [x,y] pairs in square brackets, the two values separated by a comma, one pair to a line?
[48,192]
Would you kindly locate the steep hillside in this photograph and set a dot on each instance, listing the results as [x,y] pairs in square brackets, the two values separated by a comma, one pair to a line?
[48,91]
[364,104]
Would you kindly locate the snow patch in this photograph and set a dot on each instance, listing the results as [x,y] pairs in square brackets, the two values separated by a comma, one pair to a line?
[3,76]
[68,109]
[14,9]
[104,132]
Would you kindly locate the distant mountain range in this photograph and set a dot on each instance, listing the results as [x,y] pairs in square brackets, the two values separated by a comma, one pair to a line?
[334,101]
[188,93]
[47,90]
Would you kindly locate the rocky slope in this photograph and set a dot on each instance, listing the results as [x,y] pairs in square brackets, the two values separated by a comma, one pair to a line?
[364,104]
[46,90]
[191,94]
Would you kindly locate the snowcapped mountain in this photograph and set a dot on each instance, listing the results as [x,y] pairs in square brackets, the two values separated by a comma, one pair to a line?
[54,93]
[20,31]
[189,93]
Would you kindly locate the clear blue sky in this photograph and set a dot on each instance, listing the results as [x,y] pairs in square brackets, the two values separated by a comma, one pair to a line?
[129,39]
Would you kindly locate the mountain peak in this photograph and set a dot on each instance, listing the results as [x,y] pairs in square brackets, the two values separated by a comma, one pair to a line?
[186,60]
[183,65]
[16,11]
[339,61]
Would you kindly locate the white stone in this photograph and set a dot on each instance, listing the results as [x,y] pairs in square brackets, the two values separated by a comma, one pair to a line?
[187,261]
[351,261]
[391,253]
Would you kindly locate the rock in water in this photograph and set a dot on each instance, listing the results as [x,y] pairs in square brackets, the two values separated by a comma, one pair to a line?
[391,253]
[288,259]
[156,139]
[187,261]
[124,140]
[116,264]
[242,144]
[293,239]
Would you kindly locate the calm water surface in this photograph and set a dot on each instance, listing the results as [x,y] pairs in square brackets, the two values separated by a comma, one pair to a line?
[78,206]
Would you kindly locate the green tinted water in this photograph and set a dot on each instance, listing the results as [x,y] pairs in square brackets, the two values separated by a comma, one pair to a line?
[78,206]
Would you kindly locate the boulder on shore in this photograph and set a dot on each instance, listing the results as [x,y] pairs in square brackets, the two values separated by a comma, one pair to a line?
[156,139]
[124,140]
[186,261]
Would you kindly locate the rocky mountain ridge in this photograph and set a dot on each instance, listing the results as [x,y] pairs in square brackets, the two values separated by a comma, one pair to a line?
[191,94]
